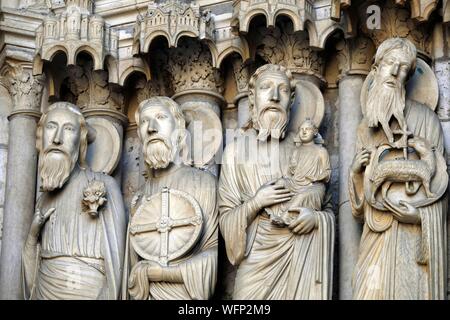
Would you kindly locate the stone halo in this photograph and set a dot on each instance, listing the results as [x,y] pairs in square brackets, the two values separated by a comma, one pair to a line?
[308,103]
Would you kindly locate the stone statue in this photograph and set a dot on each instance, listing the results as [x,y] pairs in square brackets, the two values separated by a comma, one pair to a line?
[309,170]
[76,243]
[173,231]
[397,186]
[289,260]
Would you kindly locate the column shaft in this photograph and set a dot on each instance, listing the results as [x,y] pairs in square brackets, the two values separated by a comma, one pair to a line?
[19,202]
[349,230]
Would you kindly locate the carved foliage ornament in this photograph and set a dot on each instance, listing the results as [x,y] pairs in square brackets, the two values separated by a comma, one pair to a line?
[26,89]
[284,47]
[190,66]
[396,22]
[90,89]
[354,55]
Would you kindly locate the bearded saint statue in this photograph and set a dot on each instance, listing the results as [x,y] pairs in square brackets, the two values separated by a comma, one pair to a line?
[292,261]
[72,252]
[397,187]
[192,273]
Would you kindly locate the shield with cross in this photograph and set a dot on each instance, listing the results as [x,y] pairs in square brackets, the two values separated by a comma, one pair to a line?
[166,226]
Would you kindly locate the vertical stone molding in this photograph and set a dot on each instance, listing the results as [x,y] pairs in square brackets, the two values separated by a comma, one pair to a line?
[241,76]
[5,110]
[441,68]
[26,92]
[354,62]
[349,231]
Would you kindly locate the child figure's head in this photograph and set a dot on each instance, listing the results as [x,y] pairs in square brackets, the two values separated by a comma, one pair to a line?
[307,131]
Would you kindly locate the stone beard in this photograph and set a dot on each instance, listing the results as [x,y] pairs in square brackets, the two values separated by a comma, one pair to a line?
[55,167]
[71,253]
[271,121]
[192,276]
[403,250]
[158,152]
[383,102]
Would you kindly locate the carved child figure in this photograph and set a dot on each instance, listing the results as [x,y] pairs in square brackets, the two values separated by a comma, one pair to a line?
[309,170]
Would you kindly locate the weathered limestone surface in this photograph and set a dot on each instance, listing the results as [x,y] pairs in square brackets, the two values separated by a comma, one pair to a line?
[108,56]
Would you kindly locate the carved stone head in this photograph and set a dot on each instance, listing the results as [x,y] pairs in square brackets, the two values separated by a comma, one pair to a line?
[162,131]
[395,61]
[94,196]
[307,131]
[271,93]
[61,141]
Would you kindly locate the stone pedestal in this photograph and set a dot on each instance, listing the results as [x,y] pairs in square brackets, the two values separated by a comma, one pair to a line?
[349,230]
[20,179]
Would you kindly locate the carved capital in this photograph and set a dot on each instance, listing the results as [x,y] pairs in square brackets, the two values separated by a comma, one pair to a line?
[397,22]
[190,67]
[283,46]
[26,89]
[147,89]
[354,56]
[90,89]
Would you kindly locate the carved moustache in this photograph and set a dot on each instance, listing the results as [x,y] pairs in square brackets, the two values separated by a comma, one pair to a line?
[271,123]
[54,171]
[392,82]
[158,151]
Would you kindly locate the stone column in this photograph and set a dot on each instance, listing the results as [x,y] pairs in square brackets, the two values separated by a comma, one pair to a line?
[242,77]
[354,58]
[26,92]
[349,230]
[441,67]
[5,110]
[197,85]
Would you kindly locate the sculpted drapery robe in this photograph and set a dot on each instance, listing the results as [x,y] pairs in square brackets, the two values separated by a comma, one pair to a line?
[78,256]
[274,263]
[398,260]
[199,266]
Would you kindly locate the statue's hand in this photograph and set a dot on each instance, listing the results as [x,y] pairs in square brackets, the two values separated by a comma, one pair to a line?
[38,222]
[270,193]
[306,221]
[404,213]
[360,160]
